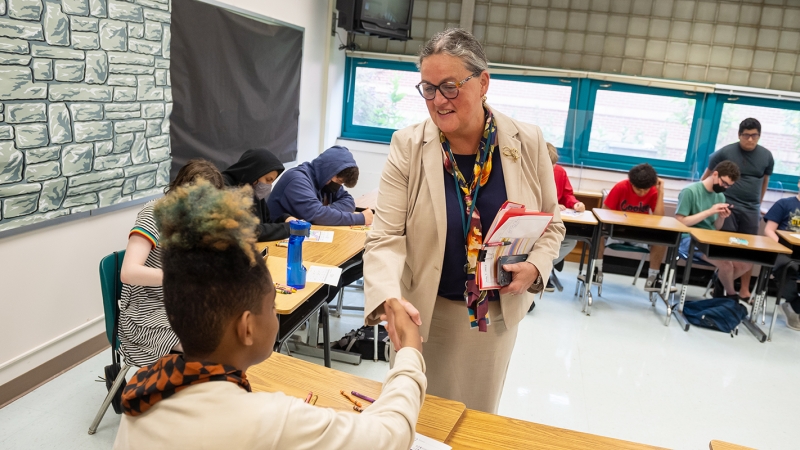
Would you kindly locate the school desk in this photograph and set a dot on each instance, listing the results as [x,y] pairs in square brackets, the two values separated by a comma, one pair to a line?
[717,245]
[583,227]
[591,200]
[479,430]
[297,378]
[344,252]
[648,229]
[788,240]
[720,445]
[367,201]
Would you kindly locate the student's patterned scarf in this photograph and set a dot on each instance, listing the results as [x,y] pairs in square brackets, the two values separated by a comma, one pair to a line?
[477,302]
[170,375]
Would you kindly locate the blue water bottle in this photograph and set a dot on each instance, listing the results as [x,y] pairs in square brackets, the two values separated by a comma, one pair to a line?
[295,272]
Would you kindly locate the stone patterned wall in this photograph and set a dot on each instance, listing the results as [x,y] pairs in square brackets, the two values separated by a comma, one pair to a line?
[84,105]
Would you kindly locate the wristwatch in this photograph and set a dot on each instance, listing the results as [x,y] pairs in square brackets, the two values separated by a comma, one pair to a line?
[537,285]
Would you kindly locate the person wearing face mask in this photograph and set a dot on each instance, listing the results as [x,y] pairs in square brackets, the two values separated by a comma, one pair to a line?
[313,190]
[703,205]
[259,168]
[756,164]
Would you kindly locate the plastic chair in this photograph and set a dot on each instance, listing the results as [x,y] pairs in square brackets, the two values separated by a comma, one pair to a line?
[111,287]
[623,247]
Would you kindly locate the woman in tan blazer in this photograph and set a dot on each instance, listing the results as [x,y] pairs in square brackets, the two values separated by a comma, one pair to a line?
[426,215]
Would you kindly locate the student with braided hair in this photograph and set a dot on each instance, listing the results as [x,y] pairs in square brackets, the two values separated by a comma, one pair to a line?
[220,300]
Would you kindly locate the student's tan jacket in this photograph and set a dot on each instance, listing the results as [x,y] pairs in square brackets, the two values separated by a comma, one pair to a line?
[405,249]
[221,415]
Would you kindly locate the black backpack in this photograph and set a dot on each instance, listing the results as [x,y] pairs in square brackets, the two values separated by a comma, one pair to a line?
[362,341]
[722,314]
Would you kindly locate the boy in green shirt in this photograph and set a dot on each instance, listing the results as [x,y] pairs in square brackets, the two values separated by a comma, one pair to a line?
[702,205]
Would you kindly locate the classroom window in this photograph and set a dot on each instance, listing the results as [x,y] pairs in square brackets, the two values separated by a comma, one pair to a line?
[653,127]
[780,133]
[386,98]
[546,105]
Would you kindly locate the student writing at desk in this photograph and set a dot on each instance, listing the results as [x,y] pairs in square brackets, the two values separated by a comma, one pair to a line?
[220,299]
[566,200]
[144,330]
[785,215]
[314,191]
[643,193]
[259,168]
[703,205]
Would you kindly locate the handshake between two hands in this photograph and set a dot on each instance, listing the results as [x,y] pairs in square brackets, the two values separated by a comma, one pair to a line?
[402,324]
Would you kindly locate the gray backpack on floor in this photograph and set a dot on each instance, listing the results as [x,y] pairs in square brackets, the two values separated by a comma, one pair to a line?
[362,341]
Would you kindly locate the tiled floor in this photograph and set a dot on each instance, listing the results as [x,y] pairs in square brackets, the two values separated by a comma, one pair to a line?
[619,373]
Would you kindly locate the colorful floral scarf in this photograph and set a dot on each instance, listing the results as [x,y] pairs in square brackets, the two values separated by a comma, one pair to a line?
[476,299]
[170,375]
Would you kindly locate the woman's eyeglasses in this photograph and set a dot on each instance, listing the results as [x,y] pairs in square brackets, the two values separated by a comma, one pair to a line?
[448,89]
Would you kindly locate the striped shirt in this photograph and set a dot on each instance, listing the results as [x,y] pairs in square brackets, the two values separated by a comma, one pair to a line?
[144,331]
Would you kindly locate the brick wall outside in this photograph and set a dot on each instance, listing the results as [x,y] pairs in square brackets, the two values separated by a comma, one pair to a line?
[85,99]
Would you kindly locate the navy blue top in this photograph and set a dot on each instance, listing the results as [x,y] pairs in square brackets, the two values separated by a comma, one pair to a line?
[786,213]
[491,197]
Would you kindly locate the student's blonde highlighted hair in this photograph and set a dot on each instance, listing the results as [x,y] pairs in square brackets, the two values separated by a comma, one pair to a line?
[200,216]
[212,272]
[551,149]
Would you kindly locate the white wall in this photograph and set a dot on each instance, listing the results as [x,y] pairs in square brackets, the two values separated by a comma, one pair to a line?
[51,298]
[49,279]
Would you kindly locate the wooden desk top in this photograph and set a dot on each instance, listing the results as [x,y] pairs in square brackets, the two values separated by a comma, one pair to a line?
[720,238]
[639,220]
[296,377]
[480,430]
[788,235]
[287,303]
[588,194]
[346,244]
[720,445]
[368,200]
[584,218]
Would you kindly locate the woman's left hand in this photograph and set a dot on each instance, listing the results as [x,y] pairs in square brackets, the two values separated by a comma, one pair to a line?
[523,275]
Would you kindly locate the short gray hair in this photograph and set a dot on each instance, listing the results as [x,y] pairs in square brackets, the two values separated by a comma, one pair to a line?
[459,43]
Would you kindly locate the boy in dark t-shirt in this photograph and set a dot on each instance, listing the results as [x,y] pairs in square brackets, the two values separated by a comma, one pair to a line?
[755,164]
[785,215]
[643,193]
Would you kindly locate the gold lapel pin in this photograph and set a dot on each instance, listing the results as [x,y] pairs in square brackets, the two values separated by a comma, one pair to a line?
[511,152]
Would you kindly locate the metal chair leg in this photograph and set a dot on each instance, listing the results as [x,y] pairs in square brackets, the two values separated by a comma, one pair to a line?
[375,342]
[110,396]
[639,270]
[326,335]
[339,304]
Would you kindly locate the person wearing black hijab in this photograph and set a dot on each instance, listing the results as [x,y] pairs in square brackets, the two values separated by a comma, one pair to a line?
[259,168]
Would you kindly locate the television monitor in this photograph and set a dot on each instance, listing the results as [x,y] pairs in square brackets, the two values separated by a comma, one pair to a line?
[383,18]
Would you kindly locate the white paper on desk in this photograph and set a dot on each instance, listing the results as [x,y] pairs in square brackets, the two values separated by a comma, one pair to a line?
[320,236]
[326,275]
[571,212]
[422,442]
[796,236]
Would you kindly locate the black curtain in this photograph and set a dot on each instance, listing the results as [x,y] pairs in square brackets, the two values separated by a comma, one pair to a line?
[235,85]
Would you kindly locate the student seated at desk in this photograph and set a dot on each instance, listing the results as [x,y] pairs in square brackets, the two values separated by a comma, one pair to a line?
[144,330]
[702,205]
[259,168]
[643,193]
[220,299]
[566,200]
[785,215]
[313,191]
